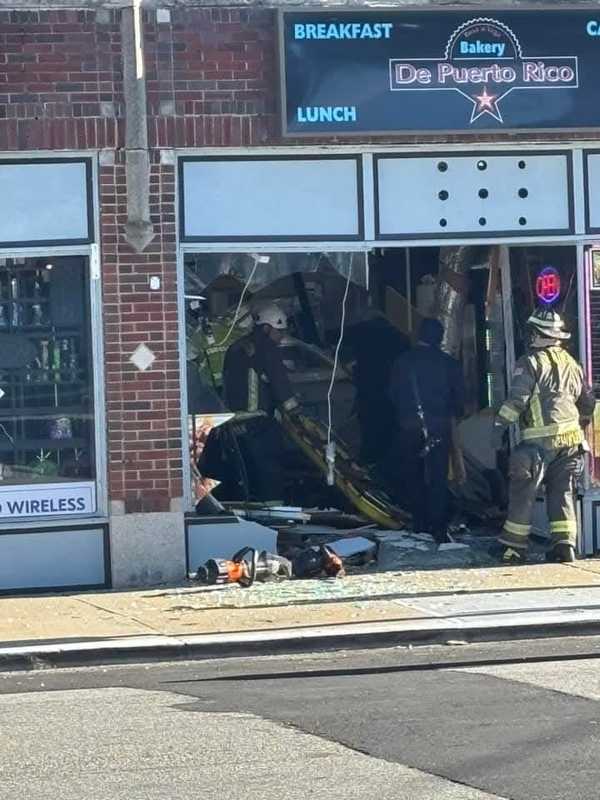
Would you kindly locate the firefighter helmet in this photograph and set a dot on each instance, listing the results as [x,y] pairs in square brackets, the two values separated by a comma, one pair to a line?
[270,314]
[548,323]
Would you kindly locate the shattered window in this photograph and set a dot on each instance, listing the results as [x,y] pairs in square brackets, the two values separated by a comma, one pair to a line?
[290,359]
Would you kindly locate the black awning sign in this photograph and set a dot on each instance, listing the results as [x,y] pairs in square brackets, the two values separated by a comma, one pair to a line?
[380,72]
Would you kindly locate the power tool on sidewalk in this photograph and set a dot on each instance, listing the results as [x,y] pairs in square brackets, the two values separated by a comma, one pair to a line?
[245,567]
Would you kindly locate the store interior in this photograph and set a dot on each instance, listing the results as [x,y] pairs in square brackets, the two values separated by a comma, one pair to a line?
[366,306]
[46,387]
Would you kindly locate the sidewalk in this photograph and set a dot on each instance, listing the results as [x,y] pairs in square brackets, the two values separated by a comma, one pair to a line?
[385,608]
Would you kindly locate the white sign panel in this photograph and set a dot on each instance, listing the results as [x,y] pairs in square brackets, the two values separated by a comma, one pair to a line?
[270,199]
[42,201]
[49,500]
[474,195]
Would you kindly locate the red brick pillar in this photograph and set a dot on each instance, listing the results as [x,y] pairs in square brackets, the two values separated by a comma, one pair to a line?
[144,406]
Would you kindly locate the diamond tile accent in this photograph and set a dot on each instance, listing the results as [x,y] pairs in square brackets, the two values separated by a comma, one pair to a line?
[142,357]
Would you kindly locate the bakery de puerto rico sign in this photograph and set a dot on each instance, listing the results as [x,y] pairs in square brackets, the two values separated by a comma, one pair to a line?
[381,72]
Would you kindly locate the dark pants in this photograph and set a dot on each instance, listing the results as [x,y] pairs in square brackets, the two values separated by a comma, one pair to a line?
[423,480]
[246,458]
[261,446]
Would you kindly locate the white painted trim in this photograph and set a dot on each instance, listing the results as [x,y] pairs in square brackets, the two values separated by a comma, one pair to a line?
[353,149]
[97,340]
[578,192]
[186,471]
[276,247]
[581,304]
[386,244]
[368,196]
[35,252]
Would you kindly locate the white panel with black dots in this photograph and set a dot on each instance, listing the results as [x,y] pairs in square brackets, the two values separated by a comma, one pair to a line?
[473,195]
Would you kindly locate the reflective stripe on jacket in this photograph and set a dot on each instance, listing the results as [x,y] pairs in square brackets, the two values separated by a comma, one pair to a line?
[548,398]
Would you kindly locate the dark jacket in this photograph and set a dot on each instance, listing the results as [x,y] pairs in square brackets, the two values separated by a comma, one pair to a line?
[255,377]
[440,386]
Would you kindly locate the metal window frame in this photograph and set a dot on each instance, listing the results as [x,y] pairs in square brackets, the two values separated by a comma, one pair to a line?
[88,524]
[194,239]
[91,251]
[90,182]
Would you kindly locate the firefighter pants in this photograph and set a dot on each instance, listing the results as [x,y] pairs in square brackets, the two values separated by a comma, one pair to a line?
[530,466]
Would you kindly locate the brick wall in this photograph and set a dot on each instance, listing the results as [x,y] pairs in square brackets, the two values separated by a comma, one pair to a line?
[59,80]
[211,78]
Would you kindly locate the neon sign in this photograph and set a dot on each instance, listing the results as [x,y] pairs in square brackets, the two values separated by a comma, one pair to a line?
[547,285]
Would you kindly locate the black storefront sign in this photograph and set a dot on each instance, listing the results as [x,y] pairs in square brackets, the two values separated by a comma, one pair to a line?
[384,72]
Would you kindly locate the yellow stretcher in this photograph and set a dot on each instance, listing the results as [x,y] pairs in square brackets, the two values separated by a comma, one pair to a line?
[353,481]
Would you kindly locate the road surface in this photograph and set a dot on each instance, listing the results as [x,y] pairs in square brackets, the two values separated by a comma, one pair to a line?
[518,720]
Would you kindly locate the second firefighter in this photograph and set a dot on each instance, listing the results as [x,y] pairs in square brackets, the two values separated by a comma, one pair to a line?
[552,403]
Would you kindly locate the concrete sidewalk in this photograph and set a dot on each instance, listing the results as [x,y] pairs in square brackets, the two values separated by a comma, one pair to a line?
[382,608]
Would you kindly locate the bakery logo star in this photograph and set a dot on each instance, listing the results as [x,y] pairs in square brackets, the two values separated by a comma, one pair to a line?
[483,61]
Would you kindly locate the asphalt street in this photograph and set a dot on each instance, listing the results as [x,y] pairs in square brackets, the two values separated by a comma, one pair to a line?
[519,720]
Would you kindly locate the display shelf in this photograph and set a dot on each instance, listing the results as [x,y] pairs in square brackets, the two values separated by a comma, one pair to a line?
[32,445]
[42,330]
[22,301]
[47,412]
[51,379]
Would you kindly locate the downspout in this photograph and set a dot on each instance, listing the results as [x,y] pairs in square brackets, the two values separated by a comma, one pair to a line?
[450,296]
[139,231]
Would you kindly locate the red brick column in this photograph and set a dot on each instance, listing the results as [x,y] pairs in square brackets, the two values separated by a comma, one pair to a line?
[144,422]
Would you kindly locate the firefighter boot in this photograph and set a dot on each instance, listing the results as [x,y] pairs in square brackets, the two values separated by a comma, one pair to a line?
[508,554]
[514,555]
[561,553]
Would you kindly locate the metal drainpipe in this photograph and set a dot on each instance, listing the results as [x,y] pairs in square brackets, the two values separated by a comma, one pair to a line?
[139,231]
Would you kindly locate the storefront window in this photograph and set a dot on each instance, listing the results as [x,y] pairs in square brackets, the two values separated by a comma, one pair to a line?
[46,402]
[245,446]
[222,291]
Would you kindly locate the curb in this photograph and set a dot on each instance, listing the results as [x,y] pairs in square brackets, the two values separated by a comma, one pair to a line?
[356,636]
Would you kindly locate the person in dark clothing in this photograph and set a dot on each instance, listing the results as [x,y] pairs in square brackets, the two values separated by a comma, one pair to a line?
[256,384]
[372,377]
[427,392]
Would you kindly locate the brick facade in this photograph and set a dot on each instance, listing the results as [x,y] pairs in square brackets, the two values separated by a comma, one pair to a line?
[212,78]
[211,81]
[144,420]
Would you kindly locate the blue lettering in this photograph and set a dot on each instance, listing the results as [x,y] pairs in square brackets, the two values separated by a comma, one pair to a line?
[15,506]
[593,28]
[479,48]
[343,30]
[326,114]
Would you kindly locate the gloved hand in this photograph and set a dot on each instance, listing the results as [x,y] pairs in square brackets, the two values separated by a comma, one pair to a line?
[497,440]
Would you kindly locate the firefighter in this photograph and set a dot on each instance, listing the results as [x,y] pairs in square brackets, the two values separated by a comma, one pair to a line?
[551,401]
[256,384]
